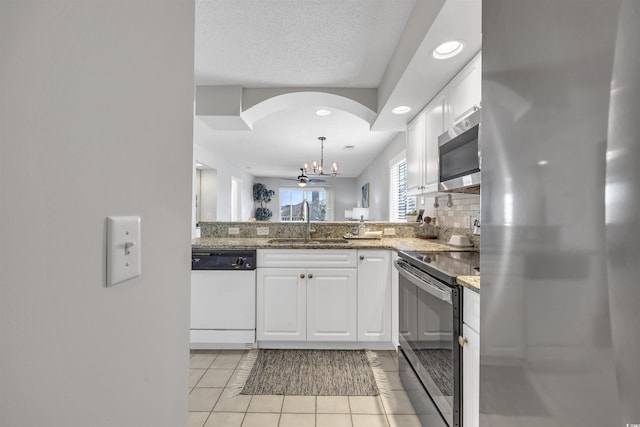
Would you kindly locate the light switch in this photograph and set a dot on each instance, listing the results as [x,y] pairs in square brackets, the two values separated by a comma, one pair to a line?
[123,248]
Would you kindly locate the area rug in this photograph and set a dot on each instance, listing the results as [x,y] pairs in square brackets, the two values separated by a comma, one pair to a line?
[311,373]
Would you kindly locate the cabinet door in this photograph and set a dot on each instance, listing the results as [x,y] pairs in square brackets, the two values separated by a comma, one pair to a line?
[415,154]
[374,295]
[470,378]
[465,90]
[436,119]
[331,304]
[281,304]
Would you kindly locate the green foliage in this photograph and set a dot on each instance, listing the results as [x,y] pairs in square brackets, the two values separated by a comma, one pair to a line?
[262,196]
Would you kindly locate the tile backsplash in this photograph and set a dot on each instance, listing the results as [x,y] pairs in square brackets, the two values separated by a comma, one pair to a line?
[454,217]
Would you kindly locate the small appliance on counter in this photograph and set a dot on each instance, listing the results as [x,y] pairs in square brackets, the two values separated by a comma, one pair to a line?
[428,229]
[460,241]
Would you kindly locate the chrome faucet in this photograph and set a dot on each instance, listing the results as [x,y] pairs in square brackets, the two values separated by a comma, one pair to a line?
[305,203]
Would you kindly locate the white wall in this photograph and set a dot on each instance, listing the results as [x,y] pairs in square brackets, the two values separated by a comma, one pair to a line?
[377,175]
[96,117]
[204,153]
[341,191]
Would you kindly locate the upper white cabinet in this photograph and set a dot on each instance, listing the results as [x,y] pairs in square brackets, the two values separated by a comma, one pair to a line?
[374,295]
[455,101]
[465,90]
[437,121]
[415,154]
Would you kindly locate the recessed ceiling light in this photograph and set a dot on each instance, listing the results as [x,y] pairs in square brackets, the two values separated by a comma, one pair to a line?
[323,112]
[543,162]
[402,109]
[448,49]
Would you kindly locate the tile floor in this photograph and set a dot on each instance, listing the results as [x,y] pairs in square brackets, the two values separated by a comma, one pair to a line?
[212,373]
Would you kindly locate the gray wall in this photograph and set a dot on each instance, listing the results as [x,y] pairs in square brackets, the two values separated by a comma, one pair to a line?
[377,175]
[96,116]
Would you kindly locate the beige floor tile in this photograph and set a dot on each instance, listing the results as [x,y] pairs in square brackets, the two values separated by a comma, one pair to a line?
[387,363]
[332,405]
[201,361]
[297,420]
[203,399]
[195,375]
[260,420]
[215,378]
[397,402]
[226,361]
[266,403]
[333,420]
[197,419]
[229,403]
[393,380]
[299,404]
[366,405]
[225,419]
[404,421]
[360,420]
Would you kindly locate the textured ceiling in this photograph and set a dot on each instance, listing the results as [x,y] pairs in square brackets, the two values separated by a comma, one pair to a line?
[319,43]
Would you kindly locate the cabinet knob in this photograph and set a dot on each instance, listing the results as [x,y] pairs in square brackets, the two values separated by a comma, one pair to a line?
[361,257]
[310,276]
[302,275]
[462,341]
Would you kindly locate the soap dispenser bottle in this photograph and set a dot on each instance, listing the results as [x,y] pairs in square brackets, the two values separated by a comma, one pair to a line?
[362,228]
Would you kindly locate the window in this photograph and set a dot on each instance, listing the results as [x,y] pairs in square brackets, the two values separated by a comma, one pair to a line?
[400,204]
[291,204]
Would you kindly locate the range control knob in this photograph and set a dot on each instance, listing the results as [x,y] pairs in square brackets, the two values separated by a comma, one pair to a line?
[240,262]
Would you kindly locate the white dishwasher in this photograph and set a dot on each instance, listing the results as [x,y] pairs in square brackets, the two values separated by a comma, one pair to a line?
[223,298]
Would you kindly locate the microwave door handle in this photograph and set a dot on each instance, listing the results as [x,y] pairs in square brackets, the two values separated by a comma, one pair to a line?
[423,284]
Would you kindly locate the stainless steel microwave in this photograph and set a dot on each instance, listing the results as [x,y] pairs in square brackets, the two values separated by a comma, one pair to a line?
[459,156]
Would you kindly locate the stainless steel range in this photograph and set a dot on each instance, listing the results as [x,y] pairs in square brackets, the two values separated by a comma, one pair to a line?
[430,323]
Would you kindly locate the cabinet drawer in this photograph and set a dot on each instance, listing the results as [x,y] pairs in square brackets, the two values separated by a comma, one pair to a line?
[471,309]
[305,258]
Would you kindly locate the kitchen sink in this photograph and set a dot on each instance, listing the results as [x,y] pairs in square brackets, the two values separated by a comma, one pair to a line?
[307,242]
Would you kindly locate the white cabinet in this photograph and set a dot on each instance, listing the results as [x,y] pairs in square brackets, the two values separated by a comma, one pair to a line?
[437,118]
[320,295]
[282,299]
[465,90]
[374,295]
[332,304]
[317,303]
[455,101]
[415,154]
[470,378]
[471,359]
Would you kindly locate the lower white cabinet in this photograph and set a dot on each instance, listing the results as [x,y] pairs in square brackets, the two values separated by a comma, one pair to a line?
[324,295]
[471,359]
[470,378]
[315,304]
[374,295]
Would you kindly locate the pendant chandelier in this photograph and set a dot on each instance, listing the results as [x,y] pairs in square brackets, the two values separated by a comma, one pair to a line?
[318,168]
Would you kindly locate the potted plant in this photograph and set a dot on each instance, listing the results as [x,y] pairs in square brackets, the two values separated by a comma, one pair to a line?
[412,216]
[262,196]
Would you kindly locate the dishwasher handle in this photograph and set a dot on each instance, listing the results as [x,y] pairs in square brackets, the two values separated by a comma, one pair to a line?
[424,282]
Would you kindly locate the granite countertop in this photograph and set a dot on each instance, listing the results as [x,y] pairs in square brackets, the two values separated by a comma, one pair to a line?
[397,244]
[471,282]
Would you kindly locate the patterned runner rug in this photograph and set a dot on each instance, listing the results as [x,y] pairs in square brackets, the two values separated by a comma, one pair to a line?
[311,373]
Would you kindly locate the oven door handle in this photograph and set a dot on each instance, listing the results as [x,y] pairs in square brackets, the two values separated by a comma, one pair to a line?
[424,283]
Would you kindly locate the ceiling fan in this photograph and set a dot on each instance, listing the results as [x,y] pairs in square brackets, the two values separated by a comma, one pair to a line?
[303,179]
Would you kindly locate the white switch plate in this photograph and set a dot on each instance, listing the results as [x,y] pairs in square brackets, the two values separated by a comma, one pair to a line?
[262,231]
[123,248]
[234,230]
[389,231]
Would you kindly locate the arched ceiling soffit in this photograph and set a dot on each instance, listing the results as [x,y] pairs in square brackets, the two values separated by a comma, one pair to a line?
[264,103]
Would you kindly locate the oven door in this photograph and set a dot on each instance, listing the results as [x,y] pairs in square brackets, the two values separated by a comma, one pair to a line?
[429,324]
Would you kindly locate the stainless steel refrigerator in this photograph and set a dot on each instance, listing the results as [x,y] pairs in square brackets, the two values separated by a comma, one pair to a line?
[560,265]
